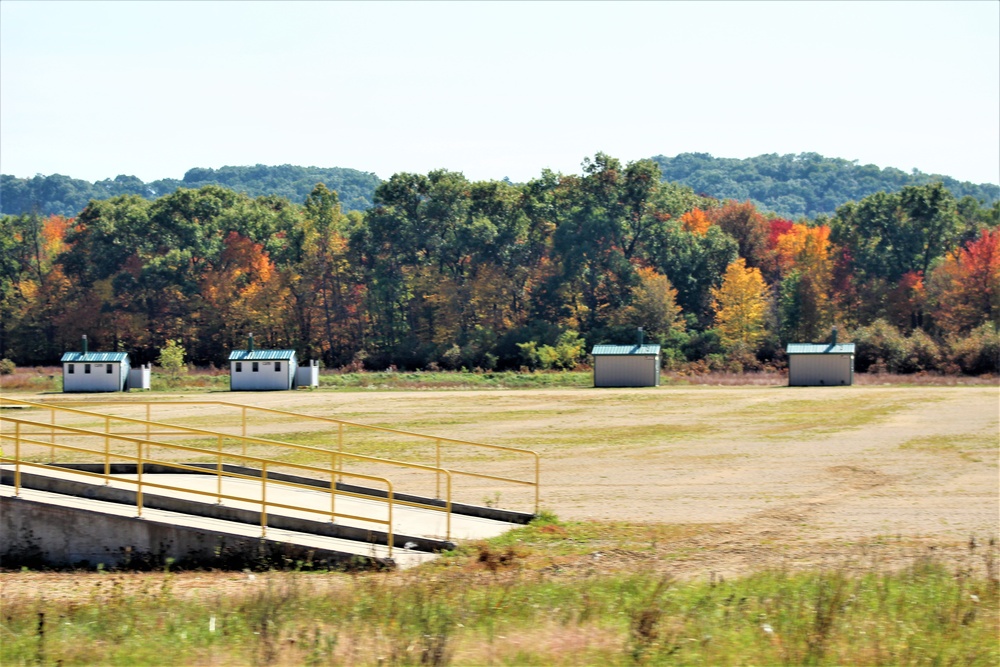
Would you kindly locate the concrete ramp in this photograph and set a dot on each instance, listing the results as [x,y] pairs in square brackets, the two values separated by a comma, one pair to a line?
[147,496]
[61,517]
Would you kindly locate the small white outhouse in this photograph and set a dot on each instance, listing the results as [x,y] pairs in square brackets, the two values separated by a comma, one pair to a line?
[307,375]
[94,371]
[262,370]
[626,365]
[139,377]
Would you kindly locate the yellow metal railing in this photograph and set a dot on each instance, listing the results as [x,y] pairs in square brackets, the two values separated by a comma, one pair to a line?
[335,457]
[18,460]
[535,460]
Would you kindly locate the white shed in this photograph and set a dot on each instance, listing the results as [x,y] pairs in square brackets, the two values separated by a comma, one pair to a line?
[94,371]
[626,365]
[262,370]
[820,364]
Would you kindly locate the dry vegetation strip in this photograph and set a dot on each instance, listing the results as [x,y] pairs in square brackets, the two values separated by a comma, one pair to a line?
[539,596]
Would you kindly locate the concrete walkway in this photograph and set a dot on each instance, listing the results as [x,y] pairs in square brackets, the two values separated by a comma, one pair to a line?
[410,521]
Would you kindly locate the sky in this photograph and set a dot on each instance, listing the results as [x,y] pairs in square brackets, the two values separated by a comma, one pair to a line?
[92,90]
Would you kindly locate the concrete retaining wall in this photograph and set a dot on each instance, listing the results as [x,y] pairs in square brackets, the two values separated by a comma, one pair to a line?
[41,534]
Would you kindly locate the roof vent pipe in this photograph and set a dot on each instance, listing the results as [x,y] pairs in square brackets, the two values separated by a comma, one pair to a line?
[83,342]
[250,343]
[834,336]
[638,337]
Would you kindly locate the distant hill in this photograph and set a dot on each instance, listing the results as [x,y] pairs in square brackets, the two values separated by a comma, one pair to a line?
[62,195]
[806,185]
[790,185]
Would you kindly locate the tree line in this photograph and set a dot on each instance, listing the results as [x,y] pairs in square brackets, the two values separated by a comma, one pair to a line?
[793,186]
[444,272]
[62,195]
[804,185]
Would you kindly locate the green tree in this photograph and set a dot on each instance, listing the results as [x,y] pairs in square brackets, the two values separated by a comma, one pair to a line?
[694,264]
[171,359]
[888,235]
[609,219]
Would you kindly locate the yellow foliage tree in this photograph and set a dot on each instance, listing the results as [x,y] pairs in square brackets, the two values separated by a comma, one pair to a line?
[740,305]
[654,304]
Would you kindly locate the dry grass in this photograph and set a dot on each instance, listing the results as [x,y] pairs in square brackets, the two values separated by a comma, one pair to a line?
[549,594]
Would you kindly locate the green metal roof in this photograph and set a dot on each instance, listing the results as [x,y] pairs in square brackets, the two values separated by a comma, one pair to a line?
[95,357]
[624,350]
[820,348]
[261,355]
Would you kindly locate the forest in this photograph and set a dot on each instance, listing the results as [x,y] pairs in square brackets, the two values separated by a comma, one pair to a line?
[441,272]
[62,195]
[792,186]
[805,185]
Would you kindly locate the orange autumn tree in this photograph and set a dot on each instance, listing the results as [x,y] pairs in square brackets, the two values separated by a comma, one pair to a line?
[744,223]
[802,257]
[695,221]
[240,293]
[740,305]
[38,296]
[965,287]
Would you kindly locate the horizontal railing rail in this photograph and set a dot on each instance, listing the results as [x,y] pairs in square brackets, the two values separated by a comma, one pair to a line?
[336,457]
[18,460]
[533,456]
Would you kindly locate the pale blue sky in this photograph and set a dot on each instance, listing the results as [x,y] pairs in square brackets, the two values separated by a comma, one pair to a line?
[97,89]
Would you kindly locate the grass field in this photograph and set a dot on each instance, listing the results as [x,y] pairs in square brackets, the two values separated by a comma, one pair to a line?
[697,525]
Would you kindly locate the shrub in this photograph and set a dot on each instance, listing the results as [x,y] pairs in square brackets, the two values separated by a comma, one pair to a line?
[978,352]
[565,354]
[880,347]
[922,353]
[452,358]
[701,344]
[741,359]
[7,367]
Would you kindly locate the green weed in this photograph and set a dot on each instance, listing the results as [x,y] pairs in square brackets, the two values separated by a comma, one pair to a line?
[492,609]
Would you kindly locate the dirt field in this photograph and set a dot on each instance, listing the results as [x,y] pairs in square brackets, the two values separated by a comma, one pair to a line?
[757,475]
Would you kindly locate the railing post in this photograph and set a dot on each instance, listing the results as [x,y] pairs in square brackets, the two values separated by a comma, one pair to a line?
[437,448]
[263,499]
[390,541]
[149,433]
[138,490]
[340,446]
[107,451]
[17,458]
[244,426]
[52,435]
[218,473]
[333,487]
[447,510]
